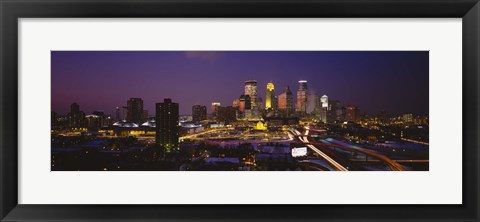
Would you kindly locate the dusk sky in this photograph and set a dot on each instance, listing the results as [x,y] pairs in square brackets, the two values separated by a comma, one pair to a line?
[396,82]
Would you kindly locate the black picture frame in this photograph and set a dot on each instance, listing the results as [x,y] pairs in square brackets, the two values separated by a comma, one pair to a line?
[12,10]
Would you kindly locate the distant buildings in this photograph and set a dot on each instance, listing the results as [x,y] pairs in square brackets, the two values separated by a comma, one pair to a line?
[226,114]
[167,125]
[199,113]
[352,113]
[76,117]
[408,118]
[120,113]
[214,109]
[335,111]
[135,110]
[302,97]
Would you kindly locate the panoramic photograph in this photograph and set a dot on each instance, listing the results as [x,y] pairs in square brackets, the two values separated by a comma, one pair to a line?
[239,111]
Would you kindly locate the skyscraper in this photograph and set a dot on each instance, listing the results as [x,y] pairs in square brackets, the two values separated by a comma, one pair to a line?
[167,128]
[135,110]
[199,113]
[351,113]
[289,94]
[76,117]
[285,101]
[335,112]
[214,110]
[245,103]
[324,109]
[302,97]
[251,90]
[226,114]
[214,106]
[270,96]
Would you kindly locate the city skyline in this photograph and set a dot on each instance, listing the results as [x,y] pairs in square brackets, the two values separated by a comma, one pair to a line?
[107,76]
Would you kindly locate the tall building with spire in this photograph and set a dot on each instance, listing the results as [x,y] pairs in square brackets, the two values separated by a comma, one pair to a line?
[302,96]
[270,96]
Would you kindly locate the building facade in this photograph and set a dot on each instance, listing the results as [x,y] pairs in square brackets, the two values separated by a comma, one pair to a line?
[199,113]
[270,96]
[167,125]
[251,90]
[76,117]
[135,110]
[352,113]
[302,97]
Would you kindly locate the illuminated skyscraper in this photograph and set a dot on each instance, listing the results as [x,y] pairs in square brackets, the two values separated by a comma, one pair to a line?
[236,103]
[251,90]
[199,113]
[167,128]
[302,97]
[324,100]
[324,109]
[408,118]
[270,96]
[135,110]
[285,102]
[214,107]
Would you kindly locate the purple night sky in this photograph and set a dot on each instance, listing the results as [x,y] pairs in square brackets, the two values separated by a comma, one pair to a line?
[396,82]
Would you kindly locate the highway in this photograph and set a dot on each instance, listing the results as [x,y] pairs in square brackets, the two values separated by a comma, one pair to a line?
[331,161]
[394,165]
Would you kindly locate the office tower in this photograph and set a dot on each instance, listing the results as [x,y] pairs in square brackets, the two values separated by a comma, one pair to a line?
[167,128]
[270,96]
[285,102]
[199,113]
[302,97]
[275,103]
[93,121]
[226,114]
[145,114]
[245,103]
[351,113]
[324,100]
[135,110]
[259,103]
[214,106]
[324,108]
[236,103]
[214,110]
[289,109]
[117,114]
[76,117]
[251,90]
[282,102]
[334,111]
